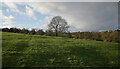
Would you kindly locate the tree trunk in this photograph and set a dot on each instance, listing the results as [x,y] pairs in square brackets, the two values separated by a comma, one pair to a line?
[56,33]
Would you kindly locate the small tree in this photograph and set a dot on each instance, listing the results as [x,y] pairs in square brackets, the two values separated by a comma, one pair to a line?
[58,24]
[11,29]
[50,33]
[70,35]
[32,32]
[25,31]
[40,32]
[5,30]
[77,35]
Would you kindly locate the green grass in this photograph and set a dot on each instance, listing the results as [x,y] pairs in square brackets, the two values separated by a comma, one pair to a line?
[21,50]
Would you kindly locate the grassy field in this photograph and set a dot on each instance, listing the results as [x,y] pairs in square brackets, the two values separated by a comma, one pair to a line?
[21,50]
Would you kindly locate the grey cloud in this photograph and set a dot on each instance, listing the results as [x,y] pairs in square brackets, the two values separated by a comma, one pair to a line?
[82,16]
[94,16]
[87,16]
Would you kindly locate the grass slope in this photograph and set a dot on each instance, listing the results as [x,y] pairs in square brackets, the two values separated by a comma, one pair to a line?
[21,50]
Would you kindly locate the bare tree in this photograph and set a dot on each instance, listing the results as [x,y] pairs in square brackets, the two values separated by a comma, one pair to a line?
[58,24]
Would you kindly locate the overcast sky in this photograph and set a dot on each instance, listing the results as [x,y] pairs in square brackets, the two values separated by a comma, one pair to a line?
[81,16]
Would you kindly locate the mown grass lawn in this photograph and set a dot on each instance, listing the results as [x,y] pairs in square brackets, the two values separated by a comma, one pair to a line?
[21,50]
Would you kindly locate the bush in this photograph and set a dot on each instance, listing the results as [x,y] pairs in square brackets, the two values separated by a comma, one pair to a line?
[32,32]
[50,33]
[70,35]
[77,35]
[25,31]
[40,32]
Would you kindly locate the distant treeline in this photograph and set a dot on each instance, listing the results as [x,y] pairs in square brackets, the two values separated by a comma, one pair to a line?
[32,32]
[25,31]
[107,36]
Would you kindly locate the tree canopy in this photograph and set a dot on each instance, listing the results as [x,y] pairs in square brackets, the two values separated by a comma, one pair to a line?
[58,24]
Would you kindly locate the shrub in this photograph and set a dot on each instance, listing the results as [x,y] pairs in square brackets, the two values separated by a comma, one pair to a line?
[32,32]
[40,32]
[70,35]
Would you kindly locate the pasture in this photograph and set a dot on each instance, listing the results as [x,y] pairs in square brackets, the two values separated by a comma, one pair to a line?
[24,50]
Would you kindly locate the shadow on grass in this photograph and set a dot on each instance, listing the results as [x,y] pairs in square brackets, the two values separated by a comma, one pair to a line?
[46,59]
[40,37]
[11,55]
[90,57]
[21,46]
